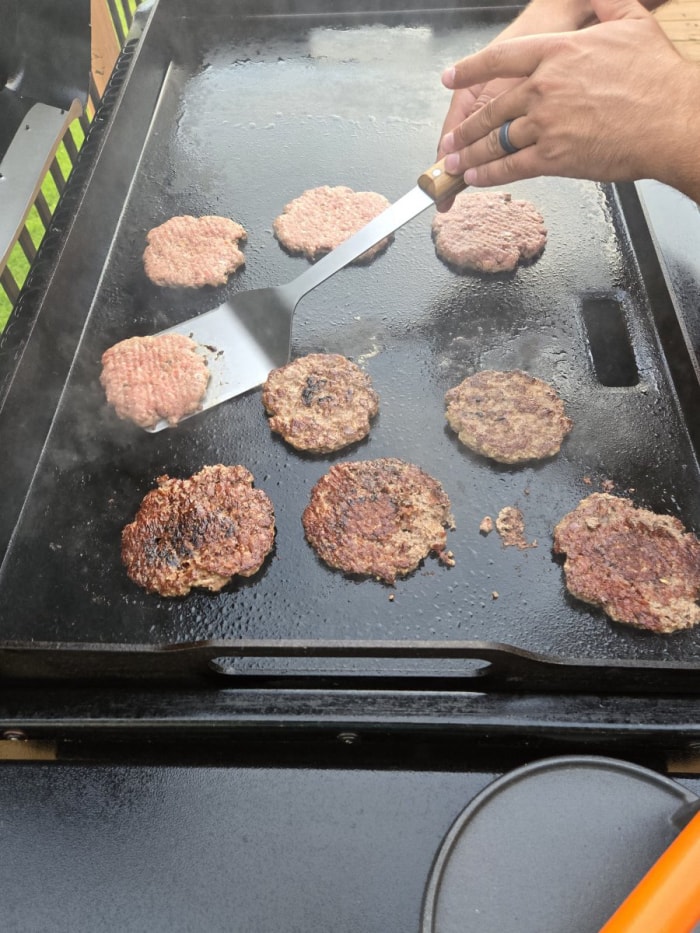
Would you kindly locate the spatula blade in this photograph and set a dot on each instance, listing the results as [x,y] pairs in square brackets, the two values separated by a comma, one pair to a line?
[242,341]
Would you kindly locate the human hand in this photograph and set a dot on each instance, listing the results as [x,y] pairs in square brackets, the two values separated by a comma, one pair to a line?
[539,16]
[466,101]
[588,104]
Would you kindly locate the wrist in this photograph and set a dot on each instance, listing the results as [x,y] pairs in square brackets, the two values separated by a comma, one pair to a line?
[677,162]
[541,16]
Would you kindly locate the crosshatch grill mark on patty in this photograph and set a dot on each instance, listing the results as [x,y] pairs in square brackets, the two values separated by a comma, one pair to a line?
[320,402]
[488,231]
[322,218]
[378,518]
[150,378]
[511,417]
[199,532]
[190,252]
[639,567]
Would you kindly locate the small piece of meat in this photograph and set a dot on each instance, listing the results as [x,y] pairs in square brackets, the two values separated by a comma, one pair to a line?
[487,231]
[510,524]
[149,378]
[640,568]
[320,402]
[200,531]
[378,518]
[486,525]
[511,417]
[190,252]
[322,218]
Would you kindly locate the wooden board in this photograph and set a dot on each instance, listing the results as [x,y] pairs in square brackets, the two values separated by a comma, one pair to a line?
[680,20]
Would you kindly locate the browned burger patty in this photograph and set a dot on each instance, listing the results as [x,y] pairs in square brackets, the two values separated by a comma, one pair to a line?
[378,518]
[189,252]
[639,567]
[488,231]
[200,531]
[149,378]
[320,402]
[510,416]
[322,218]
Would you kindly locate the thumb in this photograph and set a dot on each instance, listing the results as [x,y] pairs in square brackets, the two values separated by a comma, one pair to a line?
[607,10]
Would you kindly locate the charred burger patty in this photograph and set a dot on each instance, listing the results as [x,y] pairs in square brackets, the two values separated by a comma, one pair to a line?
[320,402]
[638,567]
[200,531]
[378,518]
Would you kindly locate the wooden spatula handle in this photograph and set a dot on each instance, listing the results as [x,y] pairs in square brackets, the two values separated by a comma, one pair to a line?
[436,182]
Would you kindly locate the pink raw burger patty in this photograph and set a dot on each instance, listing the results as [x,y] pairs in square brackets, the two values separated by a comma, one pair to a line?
[488,231]
[189,252]
[150,378]
[322,218]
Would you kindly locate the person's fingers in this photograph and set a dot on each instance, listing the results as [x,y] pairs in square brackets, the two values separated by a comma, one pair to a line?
[491,90]
[507,106]
[490,147]
[512,58]
[461,106]
[505,171]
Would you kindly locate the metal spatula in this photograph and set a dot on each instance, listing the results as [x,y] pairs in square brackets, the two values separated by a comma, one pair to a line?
[250,335]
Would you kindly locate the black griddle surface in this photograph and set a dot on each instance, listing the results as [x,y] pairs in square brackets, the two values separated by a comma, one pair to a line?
[251,112]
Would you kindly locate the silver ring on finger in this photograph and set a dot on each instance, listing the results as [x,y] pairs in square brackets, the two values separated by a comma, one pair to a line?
[504,139]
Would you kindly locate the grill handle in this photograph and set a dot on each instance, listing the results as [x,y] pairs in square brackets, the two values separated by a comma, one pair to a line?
[499,667]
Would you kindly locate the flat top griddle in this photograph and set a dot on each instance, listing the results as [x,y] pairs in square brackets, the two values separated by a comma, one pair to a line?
[237,115]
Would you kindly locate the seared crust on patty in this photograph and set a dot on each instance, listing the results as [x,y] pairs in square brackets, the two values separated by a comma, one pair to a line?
[378,518]
[200,531]
[189,252]
[640,568]
[320,402]
[149,378]
[511,417]
[488,231]
[322,218]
